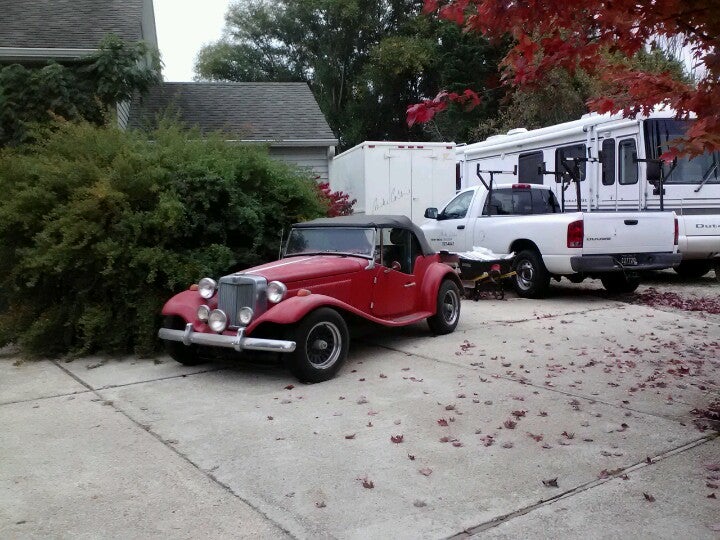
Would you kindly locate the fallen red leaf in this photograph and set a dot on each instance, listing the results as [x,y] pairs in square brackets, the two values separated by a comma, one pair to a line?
[442,422]
[552,482]
[352,436]
[519,414]
[289,387]
[397,439]
[648,497]
[509,424]
[411,457]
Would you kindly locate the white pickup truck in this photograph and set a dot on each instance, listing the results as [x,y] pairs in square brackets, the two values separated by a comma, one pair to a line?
[526,219]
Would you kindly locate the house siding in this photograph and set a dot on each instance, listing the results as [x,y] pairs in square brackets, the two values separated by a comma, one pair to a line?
[314,158]
[123,113]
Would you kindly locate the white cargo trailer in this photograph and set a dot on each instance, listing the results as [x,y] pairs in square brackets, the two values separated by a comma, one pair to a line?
[402,178]
[616,161]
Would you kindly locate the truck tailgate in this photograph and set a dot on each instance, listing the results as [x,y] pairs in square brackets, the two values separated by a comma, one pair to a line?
[628,232]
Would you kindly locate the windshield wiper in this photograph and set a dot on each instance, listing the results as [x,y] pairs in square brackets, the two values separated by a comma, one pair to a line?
[706,176]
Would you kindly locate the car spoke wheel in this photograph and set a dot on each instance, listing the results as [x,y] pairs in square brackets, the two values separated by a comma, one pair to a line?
[531,278]
[448,309]
[321,346]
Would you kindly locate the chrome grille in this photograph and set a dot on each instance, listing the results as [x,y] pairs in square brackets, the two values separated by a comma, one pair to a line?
[238,291]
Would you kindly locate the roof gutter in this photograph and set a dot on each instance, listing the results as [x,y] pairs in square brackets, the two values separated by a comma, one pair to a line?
[288,142]
[39,54]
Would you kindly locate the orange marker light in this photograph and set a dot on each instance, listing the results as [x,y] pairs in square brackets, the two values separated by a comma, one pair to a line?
[193,287]
[303,292]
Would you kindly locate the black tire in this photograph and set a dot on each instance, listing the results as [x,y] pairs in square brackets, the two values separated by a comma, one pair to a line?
[322,340]
[532,278]
[620,282]
[447,309]
[693,269]
[186,355]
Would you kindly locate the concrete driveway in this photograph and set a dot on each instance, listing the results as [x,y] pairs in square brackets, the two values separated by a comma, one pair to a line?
[559,418]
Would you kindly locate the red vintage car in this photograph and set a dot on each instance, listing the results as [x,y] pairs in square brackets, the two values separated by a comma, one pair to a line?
[379,268]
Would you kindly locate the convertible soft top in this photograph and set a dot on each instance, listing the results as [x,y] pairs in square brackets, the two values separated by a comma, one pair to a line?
[362,220]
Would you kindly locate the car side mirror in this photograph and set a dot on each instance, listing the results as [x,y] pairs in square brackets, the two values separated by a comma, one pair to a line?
[431,213]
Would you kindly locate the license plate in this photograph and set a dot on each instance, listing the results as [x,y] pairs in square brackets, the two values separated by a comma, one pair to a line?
[628,260]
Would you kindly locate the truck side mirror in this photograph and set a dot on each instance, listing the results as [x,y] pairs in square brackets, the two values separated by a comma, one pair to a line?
[431,213]
[653,172]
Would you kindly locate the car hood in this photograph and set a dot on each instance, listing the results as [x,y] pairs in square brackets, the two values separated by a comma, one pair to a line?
[309,267]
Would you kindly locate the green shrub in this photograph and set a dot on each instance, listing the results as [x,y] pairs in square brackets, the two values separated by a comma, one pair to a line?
[98,227]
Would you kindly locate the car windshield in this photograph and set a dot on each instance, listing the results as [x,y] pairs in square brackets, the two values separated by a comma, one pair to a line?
[340,240]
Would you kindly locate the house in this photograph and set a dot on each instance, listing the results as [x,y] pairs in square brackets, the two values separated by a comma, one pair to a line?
[36,31]
[284,116]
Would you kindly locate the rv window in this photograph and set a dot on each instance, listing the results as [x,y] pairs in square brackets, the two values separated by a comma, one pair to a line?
[628,168]
[566,159]
[544,202]
[608,162]
[528,165]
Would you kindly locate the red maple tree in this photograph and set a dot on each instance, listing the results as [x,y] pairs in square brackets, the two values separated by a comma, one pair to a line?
[594,36]
[338,202]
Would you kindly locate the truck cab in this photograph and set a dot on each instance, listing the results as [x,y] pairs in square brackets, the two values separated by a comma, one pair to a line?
[527,219]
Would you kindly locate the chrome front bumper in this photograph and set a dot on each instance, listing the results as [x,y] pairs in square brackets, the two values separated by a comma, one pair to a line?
[237,342]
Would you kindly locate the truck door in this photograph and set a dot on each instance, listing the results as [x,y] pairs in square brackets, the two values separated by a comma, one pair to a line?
[450,231]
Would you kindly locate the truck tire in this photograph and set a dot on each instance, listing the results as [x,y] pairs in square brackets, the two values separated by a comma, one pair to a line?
[620,282]
[531,278]
[693,269]
[322,341]
[447,310]
[186,355]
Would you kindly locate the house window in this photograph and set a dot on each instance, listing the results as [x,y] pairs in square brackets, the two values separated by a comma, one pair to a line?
[608,162]
[628,167]
[529,168]
[568,159]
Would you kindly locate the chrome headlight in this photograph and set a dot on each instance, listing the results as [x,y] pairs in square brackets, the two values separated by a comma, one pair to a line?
[203,313]
[245,315]
[217,320]
[276,291]
[206,287]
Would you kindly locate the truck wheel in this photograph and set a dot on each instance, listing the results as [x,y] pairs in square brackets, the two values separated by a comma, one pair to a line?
[693,269]
[322,340]
[186,355]
[620,283]
[531,278]
[447,311]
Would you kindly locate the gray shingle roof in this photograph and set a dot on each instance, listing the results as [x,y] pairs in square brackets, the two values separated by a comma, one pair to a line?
[69,24]
[249,111]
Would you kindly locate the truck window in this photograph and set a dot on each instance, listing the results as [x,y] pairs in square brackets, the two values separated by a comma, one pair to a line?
[458,207]
[608,162]
[528,165]
[566,158]
[499,204]
[628,168]
[544,202]
[509,202]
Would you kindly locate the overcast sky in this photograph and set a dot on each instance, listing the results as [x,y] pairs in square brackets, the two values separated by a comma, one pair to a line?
[183,27]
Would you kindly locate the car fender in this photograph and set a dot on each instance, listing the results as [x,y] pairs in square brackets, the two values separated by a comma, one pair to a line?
[434,276]
[293,309]
[186,304]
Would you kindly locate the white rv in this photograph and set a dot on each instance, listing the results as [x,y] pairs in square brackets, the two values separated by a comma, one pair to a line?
[401,178]
[616,161]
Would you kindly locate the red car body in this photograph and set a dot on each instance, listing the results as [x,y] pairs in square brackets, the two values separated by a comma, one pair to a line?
[364,281]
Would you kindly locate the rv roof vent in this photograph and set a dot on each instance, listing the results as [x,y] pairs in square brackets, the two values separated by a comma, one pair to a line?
[516,131]
[495,137]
